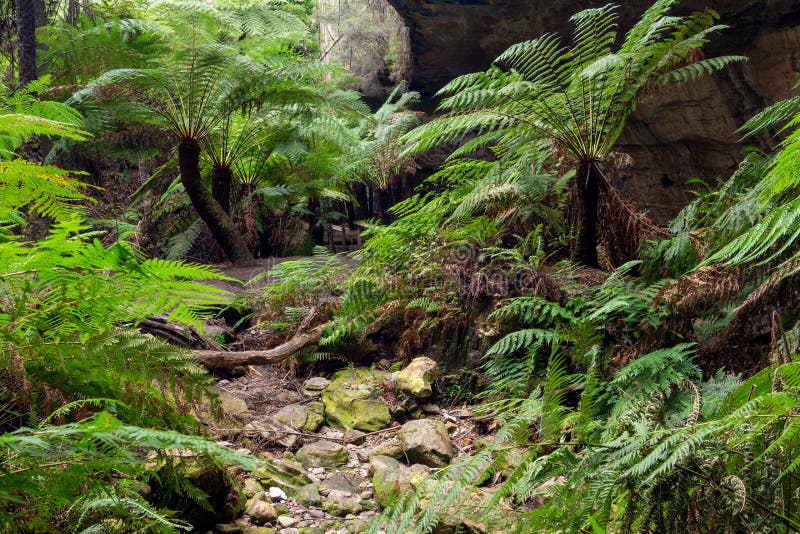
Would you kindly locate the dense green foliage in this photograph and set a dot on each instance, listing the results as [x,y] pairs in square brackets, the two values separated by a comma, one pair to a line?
[76,375]
[657,394]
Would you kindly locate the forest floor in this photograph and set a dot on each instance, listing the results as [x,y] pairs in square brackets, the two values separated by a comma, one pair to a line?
[331,474]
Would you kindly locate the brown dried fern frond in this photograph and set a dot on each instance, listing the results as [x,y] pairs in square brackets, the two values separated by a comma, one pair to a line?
[623,228]
[702,289]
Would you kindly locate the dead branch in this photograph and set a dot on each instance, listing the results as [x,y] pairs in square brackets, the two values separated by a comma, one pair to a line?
[303,337]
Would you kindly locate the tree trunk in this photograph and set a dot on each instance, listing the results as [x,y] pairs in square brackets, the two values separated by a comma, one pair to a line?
[221,180]
[26,34]
[220,224]
[384,203]
[587,179]
[73,12]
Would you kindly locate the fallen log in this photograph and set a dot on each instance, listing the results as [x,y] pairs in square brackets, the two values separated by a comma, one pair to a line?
[226,359]
[221,358]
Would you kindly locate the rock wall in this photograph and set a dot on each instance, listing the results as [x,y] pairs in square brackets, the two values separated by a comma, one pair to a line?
[683,133]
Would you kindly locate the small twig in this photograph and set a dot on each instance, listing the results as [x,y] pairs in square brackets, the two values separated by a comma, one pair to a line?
[305,434]
[390,429]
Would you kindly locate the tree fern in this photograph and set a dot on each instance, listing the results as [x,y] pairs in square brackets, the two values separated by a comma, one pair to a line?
[578,97]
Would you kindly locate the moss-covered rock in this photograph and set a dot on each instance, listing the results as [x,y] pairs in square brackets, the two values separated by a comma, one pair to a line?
[391,447]
[231,404]
[426,441]
[350,400]
[285,474]
[315,416]
[260,509]
[251,486]
[342,503]
[417,378]
[314,386]
[293,415]
[390,478]
[322,453]
[308,496]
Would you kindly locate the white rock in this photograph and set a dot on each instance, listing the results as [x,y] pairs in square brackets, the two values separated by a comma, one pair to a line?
[277,494]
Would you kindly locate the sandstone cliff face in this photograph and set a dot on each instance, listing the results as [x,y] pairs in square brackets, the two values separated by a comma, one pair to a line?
[683,133]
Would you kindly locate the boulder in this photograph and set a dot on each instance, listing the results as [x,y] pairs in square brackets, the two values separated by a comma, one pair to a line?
[358,378]
[356,526]
[301,417]
[391,447]
[286,474]
[230,404]
[338,482]
[314,386]
[347,409]
[390,478]
[293,415]
[251,487]
[425,441]
[308,495]
[417,378]
[322,454]
[260,509]
[342,503]
[315,416]
[287,521]
[431,409]
[383,463]
[277,494]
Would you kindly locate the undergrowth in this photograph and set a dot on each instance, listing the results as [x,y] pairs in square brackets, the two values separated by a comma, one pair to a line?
[91,410]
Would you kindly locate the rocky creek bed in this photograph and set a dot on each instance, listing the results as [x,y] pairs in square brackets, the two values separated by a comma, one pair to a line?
[339,448]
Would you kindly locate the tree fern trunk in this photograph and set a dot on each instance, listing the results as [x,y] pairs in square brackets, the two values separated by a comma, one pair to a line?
[587,177]
[220,224]
[221,179]
[26,33]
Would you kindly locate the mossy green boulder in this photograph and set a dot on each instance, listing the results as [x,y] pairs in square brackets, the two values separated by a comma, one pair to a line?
[390,478]
[417,378]
[322,453]
[351,400]
[315,416]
